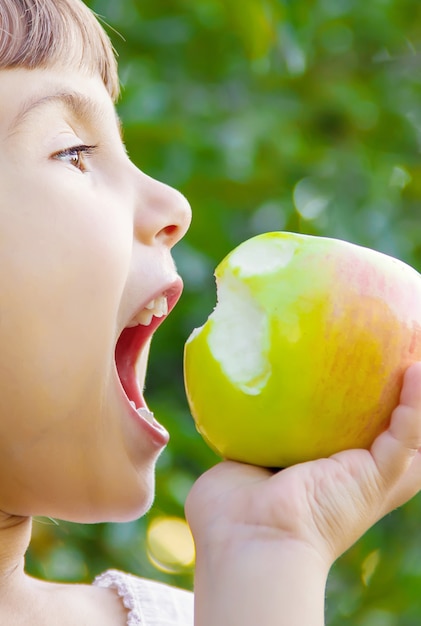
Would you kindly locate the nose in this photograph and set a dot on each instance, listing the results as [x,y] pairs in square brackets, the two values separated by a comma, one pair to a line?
[163,214]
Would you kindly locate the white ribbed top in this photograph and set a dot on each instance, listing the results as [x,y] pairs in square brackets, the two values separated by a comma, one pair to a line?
[150,603]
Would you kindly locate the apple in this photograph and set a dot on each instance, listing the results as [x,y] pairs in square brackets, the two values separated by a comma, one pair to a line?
[304,353]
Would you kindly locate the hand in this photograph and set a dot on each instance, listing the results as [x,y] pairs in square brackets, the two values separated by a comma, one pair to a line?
[326,504]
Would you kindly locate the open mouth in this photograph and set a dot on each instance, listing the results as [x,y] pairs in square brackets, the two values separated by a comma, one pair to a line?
[134,338]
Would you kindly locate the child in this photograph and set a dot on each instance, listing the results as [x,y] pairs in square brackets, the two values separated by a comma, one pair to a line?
[86,277]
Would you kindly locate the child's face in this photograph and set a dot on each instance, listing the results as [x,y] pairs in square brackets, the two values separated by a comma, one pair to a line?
[85,241]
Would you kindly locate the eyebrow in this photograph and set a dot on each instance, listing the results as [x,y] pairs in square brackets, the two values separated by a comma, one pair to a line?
[80,105]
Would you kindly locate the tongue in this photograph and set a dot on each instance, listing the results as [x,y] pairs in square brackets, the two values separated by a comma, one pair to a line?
[126,353]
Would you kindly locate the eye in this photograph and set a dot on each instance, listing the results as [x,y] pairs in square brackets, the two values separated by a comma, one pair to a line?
[76,156]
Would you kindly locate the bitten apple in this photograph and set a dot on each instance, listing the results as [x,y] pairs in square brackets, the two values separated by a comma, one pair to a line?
[304,353]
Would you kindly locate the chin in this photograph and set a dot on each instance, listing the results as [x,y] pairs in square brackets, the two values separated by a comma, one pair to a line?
[125,504]
[116,511]
[129,511]
[99,515]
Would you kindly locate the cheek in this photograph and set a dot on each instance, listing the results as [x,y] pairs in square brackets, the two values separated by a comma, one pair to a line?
[63,267]
[70,249]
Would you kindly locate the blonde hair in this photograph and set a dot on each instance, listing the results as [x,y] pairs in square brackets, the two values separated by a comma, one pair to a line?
[44,33]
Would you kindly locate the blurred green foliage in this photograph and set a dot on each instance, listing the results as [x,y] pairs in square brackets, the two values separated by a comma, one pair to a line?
[299,115]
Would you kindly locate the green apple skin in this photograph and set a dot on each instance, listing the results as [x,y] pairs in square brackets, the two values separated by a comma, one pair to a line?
[332,328]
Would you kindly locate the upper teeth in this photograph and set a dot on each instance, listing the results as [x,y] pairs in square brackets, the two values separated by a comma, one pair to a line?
[157,307]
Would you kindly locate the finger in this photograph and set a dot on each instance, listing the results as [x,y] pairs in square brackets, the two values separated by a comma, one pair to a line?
[411,392]
[394,450]
[406,487]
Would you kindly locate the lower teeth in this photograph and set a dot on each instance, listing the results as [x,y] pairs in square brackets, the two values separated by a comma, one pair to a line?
[143,412]
[148,415]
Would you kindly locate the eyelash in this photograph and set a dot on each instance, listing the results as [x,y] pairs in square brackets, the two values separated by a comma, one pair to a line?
[79,153]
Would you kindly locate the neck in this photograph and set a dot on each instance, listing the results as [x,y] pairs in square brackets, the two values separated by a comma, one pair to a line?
[15,533]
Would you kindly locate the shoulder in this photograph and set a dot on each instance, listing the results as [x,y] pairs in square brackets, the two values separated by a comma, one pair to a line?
[149,603]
